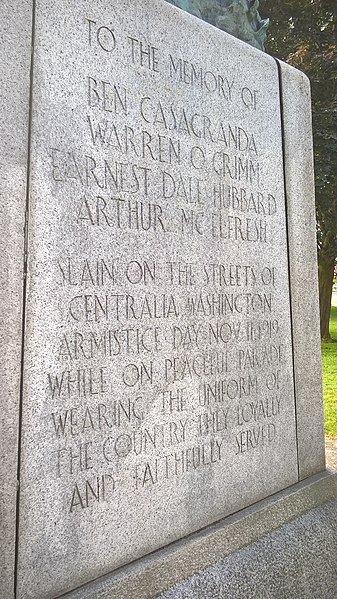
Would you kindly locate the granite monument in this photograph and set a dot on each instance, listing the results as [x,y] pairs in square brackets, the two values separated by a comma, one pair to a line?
[161,394]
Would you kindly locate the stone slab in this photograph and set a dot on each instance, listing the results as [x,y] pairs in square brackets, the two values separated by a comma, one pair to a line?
[299,560]
[161,332]
[300,192]
[15,42]
[295,529]
[158,391]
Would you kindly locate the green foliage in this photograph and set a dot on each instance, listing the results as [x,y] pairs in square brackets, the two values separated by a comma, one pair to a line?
[304,34]
[329,366]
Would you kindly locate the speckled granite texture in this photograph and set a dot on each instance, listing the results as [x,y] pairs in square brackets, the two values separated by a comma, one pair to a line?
[168,392]
[15,53]
[298,561]
[283,547]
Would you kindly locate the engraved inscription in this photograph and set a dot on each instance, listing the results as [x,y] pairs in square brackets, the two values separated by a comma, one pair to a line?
[167,369]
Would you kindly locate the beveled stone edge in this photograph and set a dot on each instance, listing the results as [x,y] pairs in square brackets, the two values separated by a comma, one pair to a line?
[301,218]
[148,577]
[15,36]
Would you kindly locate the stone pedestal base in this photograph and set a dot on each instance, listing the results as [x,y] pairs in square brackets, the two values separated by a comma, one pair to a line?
[282,547]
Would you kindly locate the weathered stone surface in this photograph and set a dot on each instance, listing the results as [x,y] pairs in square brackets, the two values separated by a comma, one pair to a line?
[15,36]
[300,190]
[158,375]
[218,554]
[298,560]
[161,333]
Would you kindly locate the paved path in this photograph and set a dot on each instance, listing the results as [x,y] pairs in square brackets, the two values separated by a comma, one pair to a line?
[334,298]
[331,454]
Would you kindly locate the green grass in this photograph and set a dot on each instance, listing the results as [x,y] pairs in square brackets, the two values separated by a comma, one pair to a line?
[329,365]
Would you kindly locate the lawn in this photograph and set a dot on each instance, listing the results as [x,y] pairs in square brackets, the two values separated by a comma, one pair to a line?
[329,365]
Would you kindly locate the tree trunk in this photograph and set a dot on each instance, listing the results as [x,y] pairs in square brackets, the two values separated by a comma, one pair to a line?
[326,266]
